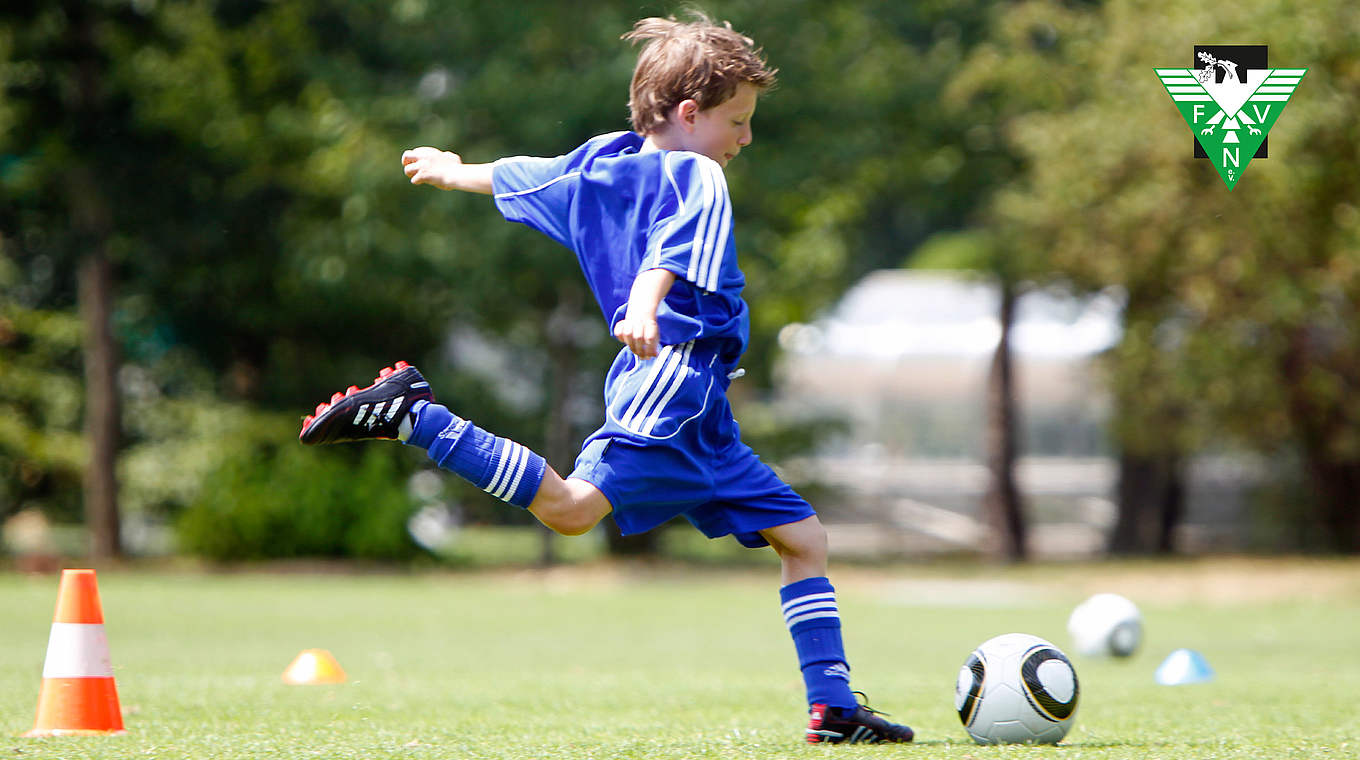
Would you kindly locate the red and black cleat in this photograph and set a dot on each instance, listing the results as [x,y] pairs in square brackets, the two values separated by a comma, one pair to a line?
[829,725]
[373,412]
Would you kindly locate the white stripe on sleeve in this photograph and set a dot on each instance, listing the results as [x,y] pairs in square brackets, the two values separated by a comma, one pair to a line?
[704,216]
[716,243]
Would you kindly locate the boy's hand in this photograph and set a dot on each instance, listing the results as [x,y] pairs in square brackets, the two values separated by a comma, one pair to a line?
[640,335]
[445,170]
[638,328]
[431,166]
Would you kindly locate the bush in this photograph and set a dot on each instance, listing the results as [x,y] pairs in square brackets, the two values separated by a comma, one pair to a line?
[283,501]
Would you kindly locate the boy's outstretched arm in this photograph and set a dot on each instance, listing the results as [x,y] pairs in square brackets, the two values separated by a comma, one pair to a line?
[445,170]
[638,328]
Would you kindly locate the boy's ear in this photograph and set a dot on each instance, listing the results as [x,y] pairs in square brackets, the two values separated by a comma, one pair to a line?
[685,113]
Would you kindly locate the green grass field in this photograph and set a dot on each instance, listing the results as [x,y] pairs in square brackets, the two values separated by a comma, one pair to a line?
[623,661]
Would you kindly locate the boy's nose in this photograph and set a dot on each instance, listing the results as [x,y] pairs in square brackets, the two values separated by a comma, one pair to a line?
[745,138]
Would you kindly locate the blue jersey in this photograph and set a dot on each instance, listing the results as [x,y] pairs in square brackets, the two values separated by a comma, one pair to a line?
[669,445]
[623,211]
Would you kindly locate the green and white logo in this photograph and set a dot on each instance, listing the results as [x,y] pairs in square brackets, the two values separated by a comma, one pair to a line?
[1230,99]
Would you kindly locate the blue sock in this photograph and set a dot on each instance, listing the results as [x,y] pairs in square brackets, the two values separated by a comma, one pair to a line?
[814,621]
[499,466]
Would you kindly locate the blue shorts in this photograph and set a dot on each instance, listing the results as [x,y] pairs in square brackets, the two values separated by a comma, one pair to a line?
[670,446]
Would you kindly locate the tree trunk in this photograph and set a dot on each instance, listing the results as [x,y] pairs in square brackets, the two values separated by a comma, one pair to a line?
[1335,480]
[92,219]
[1002,506]
[101,405]
[1150,491]
[561,448]
[1338,487]
[1151,503]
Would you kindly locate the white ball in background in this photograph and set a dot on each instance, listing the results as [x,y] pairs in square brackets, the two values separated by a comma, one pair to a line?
[1106,625]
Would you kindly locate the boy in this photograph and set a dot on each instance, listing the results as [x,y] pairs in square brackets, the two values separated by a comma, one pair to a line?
[648,217]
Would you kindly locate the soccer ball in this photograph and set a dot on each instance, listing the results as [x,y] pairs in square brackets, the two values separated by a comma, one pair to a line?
[1016,689]
[1106,625]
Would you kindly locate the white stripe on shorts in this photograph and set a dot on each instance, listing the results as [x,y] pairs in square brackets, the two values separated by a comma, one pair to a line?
[662,382]
[658,364]
[676,382]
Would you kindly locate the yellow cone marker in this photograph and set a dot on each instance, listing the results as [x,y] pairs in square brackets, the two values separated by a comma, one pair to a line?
[314,666]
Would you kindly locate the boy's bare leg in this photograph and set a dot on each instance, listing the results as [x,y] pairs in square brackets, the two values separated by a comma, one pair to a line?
[570,506]
[813,618]
[801,547]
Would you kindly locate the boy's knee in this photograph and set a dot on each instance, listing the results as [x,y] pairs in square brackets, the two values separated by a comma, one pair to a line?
[572,510]
[570,522]
[814,543]
[805,538]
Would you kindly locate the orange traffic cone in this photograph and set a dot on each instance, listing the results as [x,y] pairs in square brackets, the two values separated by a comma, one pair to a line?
[78,693]
[314,666]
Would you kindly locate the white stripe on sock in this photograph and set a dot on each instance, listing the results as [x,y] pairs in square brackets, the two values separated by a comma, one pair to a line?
[500,465]
[519,474]
[790,604]
[803,610]
[512,472]
[812,616]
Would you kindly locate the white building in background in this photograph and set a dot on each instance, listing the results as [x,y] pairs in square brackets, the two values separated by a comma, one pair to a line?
[905,356]
[903,359]
[895,313]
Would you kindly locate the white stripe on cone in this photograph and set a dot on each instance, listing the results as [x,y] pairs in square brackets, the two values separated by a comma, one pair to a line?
[77,650]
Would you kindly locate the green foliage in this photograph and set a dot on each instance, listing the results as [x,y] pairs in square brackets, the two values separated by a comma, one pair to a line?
[41,447]
[278,500]
[1218,281]
[241,163]
[1241,314]
[970,250]
[246,158]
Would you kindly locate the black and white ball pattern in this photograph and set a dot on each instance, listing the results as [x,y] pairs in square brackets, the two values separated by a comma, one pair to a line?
[1016,688]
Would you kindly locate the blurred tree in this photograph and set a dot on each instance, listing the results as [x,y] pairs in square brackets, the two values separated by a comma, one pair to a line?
[64,154]
[1241,318]
[265,247]
[861,156]
[978,251]
[42,455]
[854,162]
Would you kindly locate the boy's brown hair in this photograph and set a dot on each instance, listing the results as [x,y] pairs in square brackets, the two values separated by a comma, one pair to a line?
[689,60]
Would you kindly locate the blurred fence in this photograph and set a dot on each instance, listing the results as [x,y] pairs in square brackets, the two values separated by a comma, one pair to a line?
[898,508]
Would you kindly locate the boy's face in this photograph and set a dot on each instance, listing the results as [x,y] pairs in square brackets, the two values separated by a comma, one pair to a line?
[722,131]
